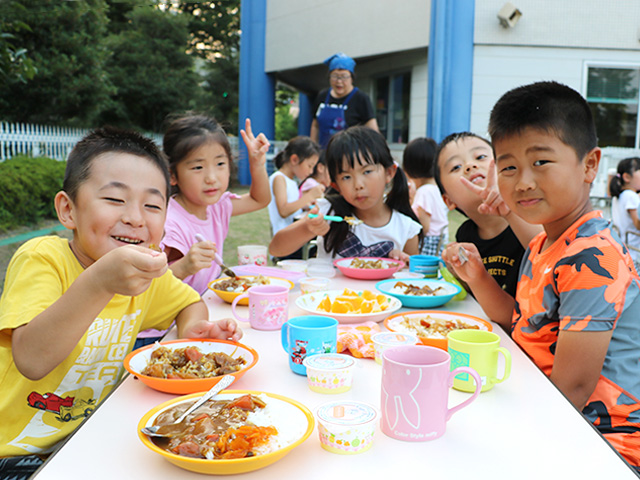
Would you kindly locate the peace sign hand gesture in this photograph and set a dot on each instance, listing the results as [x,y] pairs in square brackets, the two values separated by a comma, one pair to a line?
[257,147]
[492,202]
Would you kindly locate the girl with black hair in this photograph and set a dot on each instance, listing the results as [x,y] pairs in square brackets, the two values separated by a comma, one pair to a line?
[369,186]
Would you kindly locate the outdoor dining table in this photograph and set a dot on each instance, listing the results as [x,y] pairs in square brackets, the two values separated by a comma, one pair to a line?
[522,428]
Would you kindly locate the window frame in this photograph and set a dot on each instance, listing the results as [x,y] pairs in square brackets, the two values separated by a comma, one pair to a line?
[614,65]
[389,76]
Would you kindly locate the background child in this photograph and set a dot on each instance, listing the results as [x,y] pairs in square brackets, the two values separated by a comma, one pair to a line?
[200,162]
[418,163]
[70,310]
[200,158]
[466,175]
[578,299]
[296,161]
[624,207]
[361,169]
[319,176]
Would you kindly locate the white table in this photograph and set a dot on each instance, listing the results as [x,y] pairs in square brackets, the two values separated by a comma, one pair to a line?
[522,428]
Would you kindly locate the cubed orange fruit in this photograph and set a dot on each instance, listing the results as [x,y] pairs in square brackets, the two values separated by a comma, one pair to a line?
[339,306]
[367,306]
[349,293]
[368,295]
[325,304]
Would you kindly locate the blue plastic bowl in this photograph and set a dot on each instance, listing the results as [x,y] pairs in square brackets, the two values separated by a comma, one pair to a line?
[422,301]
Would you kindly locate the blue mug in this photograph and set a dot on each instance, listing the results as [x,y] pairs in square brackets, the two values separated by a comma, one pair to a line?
[308,335]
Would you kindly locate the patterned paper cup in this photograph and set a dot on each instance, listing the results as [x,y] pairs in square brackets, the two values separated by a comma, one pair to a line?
[329,372]
[346,427]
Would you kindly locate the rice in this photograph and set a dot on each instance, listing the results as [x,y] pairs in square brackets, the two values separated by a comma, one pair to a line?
[289,420]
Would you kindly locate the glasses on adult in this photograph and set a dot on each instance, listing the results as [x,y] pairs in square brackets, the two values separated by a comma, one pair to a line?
[336,77]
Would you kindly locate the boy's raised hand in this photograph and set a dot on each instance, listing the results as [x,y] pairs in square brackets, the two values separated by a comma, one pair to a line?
[465,260]
[129,270]
[257,147]
[492,202]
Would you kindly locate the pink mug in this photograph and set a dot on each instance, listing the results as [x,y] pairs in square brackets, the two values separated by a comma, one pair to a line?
[415,392]
[268,306]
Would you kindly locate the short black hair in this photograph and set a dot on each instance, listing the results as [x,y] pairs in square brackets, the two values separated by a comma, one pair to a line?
[418,157]
[548,106]
[454,137]
[109,140]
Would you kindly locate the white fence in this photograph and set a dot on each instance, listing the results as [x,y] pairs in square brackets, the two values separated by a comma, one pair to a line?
[41,140]
[57,142]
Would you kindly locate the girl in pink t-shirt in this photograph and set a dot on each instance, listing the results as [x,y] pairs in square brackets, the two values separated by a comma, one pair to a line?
[199,157]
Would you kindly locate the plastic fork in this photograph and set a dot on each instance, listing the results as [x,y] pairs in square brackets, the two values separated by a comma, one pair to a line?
[218,259]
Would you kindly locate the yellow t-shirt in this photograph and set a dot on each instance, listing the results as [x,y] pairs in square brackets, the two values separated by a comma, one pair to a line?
[39,414]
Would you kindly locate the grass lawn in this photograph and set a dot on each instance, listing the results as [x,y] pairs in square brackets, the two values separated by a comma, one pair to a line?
[250,229]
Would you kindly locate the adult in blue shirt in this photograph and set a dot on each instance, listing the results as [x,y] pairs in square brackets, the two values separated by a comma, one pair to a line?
[342,105]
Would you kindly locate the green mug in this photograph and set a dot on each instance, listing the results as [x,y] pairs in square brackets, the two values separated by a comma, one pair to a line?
[479,350]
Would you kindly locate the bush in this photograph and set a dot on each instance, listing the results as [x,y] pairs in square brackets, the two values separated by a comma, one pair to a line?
[27,188]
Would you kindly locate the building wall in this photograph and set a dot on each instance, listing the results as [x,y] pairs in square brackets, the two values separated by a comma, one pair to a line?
[497,69]
[305,32]
[562,23]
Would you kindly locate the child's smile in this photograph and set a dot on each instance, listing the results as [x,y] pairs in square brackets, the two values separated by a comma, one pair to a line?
[123,202]
[543,181]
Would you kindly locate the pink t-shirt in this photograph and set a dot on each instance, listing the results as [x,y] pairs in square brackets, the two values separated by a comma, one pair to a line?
[429,198]
[180,231]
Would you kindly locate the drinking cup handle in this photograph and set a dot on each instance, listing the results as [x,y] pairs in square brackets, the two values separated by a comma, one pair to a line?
[284,333]
[507,364]
[476,378]
[235,302]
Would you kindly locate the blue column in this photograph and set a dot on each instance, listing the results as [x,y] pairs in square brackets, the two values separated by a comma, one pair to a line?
[257,88]
[305,116]
[450,67]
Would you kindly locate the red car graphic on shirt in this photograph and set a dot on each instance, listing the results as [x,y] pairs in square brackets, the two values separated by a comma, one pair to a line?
[67,408]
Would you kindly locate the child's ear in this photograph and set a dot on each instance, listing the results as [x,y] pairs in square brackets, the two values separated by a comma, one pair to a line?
[174,180]
[391,172]
[334,185]
[294,159]
[591,162]
[65,210]
[447,201]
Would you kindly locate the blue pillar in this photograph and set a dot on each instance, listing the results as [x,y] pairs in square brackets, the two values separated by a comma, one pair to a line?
[257,88]
[305,115]
[450,67]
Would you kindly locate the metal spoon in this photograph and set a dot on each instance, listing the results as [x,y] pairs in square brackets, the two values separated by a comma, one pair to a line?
[219,261]
[217,388]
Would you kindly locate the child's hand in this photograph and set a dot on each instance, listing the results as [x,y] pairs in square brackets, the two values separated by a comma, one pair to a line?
[492,202]
[398,254]
[199,256]
[464,260]
[318,226]
[257,147]
[311,195]
[225,329]
[129,270]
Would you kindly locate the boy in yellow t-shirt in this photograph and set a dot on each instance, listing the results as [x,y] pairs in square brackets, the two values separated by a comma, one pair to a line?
[71,310]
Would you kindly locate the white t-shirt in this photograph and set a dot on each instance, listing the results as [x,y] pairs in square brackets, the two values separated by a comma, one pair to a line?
[278,222]
[628,200]
[369,241]
[428,197]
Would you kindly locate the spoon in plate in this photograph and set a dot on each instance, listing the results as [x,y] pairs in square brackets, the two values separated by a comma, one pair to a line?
[218,259]
[154,431]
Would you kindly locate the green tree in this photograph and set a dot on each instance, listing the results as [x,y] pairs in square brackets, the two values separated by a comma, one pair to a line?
[215,38]
[63,42]
[15,63]
[286,124]
[150,69]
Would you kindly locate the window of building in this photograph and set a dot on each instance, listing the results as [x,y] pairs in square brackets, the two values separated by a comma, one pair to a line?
[393,98]
[612,93]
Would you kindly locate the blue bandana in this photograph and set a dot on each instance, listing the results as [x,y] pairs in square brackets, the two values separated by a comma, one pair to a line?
[340,61]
